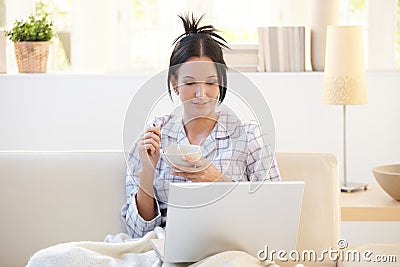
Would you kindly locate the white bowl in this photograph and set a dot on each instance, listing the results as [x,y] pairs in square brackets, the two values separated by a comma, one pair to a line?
[388,178]
[174,154]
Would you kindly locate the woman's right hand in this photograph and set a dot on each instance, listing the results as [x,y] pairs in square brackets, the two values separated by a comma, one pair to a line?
[149,148]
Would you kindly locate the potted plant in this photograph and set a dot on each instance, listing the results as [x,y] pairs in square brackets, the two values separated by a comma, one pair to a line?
[31,43]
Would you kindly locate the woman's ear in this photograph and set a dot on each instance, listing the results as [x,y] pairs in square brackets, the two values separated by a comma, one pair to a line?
[174,84]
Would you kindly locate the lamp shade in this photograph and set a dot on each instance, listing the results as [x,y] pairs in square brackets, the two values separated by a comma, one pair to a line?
[344,79]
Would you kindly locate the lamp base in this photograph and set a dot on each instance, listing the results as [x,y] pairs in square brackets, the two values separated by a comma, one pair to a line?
[351,187]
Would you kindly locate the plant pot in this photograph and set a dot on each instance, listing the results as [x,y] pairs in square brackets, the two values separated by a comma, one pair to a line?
[32,56]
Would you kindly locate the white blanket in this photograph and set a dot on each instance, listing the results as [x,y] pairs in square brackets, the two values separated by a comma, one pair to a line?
[122,251]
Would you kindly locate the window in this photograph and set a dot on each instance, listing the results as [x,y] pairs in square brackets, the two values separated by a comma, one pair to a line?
[59,11]
[156,23]
[154,26]
[137,35]
[353,12]
[398,35]
[2,14]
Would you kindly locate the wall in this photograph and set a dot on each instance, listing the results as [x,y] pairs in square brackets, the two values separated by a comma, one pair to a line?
[75,112]
[86,112]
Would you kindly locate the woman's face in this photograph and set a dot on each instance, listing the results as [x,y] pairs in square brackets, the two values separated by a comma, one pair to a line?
[197,86]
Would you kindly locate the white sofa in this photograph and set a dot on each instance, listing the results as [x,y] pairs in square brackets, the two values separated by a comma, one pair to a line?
[52,197]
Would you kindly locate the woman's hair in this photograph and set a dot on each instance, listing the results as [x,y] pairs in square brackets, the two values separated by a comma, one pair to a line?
[199,42]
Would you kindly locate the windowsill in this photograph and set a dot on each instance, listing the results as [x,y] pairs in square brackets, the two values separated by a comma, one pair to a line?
[118,73]
[373,73]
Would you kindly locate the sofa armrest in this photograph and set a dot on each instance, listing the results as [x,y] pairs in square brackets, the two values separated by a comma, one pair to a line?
[320,215]
[52,197]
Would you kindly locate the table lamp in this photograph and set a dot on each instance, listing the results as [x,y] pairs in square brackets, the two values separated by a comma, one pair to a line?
[344,79]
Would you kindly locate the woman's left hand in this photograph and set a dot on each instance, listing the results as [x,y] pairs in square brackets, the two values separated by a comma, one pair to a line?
[203,171]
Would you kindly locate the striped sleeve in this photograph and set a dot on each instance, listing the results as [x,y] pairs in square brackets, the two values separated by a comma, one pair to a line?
[136,225]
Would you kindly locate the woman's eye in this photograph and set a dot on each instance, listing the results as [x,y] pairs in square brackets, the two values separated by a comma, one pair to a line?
[211,83]
[189,83]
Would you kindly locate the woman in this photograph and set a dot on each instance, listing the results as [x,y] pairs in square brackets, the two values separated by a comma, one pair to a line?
[232,151]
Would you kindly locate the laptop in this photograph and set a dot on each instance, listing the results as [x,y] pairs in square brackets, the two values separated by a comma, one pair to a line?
[207,218]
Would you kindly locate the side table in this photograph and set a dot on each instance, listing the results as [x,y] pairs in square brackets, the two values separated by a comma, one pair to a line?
[372,204]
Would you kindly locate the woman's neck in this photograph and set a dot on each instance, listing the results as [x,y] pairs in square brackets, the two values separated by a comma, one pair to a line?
[198,129]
